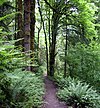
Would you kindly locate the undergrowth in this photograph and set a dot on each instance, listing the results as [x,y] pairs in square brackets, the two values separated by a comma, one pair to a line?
[18,89]
[27,89]
[76,93]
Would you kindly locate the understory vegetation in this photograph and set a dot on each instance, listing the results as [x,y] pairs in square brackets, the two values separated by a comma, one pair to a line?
[81,89]
[18,88]
[77,93]
[84,63]
[27,89]
[22,89]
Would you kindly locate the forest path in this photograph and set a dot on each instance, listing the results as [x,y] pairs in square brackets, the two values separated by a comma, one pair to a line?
[50,99]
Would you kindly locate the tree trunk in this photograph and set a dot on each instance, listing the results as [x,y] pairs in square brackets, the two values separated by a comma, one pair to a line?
[46,44]
[32,33]
[65,64]
[27,20]
[15,36]
[38,46]
[49,32]
[55,22]
[20,23]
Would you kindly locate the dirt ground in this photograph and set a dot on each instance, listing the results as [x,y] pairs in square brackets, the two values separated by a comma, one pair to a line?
[50,99]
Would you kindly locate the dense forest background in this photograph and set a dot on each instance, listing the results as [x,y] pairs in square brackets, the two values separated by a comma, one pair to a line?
[60,38]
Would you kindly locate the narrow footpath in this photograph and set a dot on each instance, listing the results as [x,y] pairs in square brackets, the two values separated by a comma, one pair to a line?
[50,99]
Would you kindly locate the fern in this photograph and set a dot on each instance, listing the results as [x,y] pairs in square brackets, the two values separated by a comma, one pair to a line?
[79,94]
[27,89]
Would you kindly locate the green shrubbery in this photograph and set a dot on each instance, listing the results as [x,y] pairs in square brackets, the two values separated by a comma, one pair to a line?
[5,92]
[63,82]
[77,94]
[18,89]
[27,89]
[84,63]
[6,65]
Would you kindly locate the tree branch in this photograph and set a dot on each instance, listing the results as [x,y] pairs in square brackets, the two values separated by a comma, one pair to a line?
[50,5]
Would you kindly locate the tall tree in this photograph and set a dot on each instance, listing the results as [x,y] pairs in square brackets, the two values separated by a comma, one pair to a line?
[54,29]
[32,33]
[27,29]
[56,14]
[46,44]
[55,22]
[20,22]
[66,45]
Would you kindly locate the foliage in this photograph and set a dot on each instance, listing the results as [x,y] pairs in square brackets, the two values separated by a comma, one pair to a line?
[84,63]
[78,94]
[63,82]
[27,89]
[8,15]
[11,58]
[5,92]
[17,88]
[2,1]
[7,54]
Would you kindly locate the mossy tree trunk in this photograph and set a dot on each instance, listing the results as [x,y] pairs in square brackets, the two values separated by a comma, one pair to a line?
[32,33]
[54,29]
[46,43]
[27,29]
[65,62]
[20,22]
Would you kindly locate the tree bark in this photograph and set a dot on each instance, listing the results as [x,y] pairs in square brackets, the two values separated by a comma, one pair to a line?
[20,22]
[49,32]
[46,44]
[65,64]
[16,21]
[27,21]
[32,33]
[38,45]
[55,22]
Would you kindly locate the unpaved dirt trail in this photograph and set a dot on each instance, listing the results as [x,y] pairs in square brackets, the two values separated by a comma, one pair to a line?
[50,99]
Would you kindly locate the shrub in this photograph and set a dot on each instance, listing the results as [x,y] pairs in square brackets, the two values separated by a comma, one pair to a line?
[27,89]
[6,65]
[79,94]
[84,63]
[18,89]
[64,82]
[5,92]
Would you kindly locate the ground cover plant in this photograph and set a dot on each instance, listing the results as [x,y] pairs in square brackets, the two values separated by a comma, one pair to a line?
[27,89]
[19,89]
[77,94]
[85,60]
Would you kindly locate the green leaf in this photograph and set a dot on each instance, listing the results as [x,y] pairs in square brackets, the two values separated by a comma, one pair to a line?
[9,15]
[2,1]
